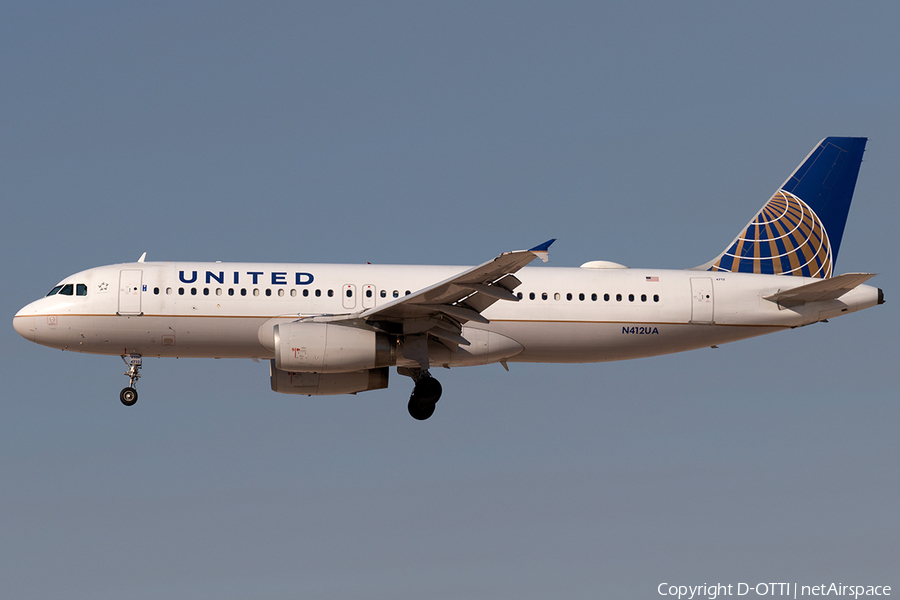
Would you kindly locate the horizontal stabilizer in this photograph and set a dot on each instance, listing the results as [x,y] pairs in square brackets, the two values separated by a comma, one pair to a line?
[826,289]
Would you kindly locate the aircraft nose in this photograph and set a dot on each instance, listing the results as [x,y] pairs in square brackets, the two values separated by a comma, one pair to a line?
[23,323]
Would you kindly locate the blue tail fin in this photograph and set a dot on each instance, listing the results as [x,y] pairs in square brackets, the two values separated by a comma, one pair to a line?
[799,230]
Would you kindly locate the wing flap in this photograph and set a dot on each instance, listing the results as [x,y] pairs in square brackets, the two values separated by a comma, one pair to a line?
[462,313]
[826,289]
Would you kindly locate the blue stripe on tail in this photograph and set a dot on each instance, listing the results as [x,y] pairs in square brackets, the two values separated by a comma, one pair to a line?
[826,180]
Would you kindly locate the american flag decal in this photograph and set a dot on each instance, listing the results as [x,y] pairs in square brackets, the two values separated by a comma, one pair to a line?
[653,279]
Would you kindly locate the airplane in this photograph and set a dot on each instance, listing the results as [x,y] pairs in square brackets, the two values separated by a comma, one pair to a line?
[338,329]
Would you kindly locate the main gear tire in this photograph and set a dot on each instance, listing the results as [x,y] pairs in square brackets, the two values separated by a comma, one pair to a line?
[419,410]
[427,390]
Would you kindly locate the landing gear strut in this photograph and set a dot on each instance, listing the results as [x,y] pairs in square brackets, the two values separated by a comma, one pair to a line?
[129,395]
[425,394]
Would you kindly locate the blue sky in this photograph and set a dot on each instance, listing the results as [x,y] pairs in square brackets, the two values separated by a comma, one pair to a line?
[642,133]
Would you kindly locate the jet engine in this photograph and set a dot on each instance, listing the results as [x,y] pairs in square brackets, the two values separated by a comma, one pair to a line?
[330,348]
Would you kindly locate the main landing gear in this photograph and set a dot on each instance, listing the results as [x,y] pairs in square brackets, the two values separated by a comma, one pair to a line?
[425,394]
[129,395]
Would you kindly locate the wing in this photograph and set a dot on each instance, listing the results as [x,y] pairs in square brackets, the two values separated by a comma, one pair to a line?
[440,310]
[466,295]
[826,289]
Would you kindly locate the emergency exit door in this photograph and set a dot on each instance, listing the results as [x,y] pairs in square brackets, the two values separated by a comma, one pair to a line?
[348,293]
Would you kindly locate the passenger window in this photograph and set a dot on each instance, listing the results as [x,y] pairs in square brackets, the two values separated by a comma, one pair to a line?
[643,297]
[531,296]
[193,291]
[218,291]
[396,294]
[581,297]
[556,296]
[268,292]
[318,293]
[67,289]
[408,292]
[243,291]
[606,297]
[81,289]
[618,297]
[543,295]
[631,297]
[350,293]
[231,291]
[594,297]
[384,293]
[168,291]
[519,295]
[281,291]
[368,293]
[568,296]
[293,293]
[155,292]
[54,291]
[256,291]
[305,293]
[656,297]
[330,293]
[206,291]
[181,291]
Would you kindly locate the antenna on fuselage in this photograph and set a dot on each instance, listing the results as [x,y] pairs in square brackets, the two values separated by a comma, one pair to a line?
[143,256]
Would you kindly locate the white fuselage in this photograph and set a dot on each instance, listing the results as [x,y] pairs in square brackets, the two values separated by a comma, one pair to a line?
[564,314]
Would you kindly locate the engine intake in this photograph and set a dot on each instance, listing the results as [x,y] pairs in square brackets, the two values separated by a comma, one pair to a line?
[330,348]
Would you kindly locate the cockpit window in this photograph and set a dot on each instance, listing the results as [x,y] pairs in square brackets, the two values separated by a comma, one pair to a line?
[69,289]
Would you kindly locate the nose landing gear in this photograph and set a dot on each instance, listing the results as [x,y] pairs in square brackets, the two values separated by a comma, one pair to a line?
[129,395]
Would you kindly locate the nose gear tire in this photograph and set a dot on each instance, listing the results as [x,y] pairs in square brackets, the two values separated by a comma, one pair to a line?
[128,396]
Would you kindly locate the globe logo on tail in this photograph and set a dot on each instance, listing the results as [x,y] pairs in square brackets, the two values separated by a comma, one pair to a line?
[785,238]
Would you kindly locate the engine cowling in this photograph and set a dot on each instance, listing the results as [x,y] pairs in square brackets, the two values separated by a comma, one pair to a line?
[327,384]
[330,348]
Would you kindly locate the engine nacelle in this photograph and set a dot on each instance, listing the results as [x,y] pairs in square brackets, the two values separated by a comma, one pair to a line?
[330,348]
[327,384]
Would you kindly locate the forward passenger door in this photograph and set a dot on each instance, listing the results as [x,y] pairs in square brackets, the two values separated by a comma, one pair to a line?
[130,292]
